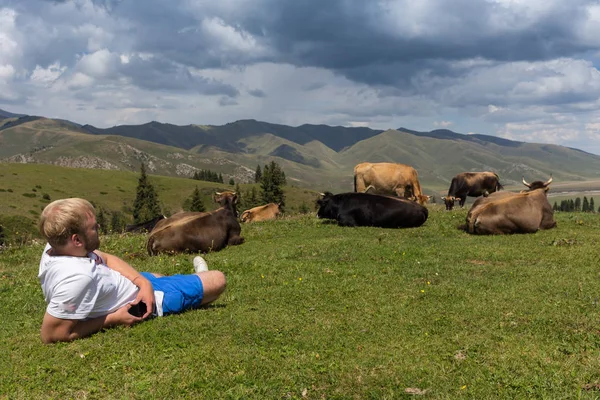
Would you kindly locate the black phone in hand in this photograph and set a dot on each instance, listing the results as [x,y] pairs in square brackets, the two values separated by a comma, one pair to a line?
[138,310]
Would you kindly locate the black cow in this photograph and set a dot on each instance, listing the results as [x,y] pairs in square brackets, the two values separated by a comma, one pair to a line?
[146,226]
[472,184]
[365,209]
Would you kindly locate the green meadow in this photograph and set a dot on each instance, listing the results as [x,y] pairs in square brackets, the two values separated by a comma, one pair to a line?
[317,311]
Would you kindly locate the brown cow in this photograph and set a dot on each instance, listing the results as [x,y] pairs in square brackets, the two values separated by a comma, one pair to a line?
[499,195]
[261,213]
[198,232]
[508,212]
[472,184]
[520,213]
[389,178]
[219,198]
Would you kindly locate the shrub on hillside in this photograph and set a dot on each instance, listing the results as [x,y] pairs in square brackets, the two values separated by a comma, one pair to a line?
[19,230]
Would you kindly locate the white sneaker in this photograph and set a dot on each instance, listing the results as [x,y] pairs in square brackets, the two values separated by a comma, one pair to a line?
[200,265]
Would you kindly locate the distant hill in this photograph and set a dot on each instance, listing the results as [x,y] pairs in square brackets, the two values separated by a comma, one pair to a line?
[226,136]
[5,114]
[319,157]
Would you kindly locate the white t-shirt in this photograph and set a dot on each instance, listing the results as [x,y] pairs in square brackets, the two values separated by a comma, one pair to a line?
[82,287]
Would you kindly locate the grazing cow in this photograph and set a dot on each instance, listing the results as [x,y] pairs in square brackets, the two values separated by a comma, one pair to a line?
[516,213]
[365,209]
[198,232]
[473,184]
[145,227]
[261,213]
[388,178]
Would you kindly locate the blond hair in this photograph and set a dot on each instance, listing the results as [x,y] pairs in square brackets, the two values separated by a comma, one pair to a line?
[63,218]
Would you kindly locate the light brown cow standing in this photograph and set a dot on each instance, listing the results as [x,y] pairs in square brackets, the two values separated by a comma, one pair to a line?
[261,213]
[389,178]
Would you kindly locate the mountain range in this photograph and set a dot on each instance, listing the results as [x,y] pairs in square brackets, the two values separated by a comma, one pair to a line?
[318,157]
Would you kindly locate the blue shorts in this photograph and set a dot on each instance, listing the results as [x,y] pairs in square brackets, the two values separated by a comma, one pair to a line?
[181,292]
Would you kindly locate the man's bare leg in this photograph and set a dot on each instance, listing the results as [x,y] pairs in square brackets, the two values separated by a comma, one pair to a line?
[214,283]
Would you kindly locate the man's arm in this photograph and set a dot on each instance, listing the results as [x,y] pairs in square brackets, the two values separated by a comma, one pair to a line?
[146,293]
[65,330]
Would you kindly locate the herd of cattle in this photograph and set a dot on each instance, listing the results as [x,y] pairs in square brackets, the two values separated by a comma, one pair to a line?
[385,195]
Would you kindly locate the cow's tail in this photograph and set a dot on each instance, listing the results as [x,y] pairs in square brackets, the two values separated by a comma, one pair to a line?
[354,181]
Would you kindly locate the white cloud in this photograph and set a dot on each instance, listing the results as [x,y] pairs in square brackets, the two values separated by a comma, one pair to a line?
[99,64]
[47,76]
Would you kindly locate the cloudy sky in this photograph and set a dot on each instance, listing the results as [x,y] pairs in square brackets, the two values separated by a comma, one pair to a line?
[520,69]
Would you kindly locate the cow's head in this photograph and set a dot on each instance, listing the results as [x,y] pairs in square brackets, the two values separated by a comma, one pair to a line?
[422,199]
[227,199]
[537,185]
[327,208]
[449,201]
[223,197]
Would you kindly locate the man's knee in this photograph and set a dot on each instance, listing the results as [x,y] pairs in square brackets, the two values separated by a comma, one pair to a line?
[220,281]
[213,281]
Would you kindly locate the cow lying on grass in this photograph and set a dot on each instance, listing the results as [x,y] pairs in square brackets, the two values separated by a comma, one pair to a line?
[506,213]
[261,213]
[365,209]
[193,232]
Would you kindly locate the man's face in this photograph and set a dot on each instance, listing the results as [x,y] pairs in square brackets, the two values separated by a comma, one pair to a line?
[90,236]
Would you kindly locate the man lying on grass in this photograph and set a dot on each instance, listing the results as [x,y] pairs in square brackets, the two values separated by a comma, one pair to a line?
[88,290]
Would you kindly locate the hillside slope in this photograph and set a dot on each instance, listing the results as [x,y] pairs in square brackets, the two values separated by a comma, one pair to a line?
[235,150]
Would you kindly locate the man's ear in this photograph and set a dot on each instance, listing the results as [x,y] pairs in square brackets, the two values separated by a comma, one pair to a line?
[76,240]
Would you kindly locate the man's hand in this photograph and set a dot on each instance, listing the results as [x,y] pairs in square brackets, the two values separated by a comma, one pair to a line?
[146,295]
[122,317]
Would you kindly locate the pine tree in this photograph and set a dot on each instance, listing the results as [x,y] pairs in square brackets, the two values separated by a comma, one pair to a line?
[145,206]
[231,181]
[257,174]
[273,179]
[555,207]
[577,204]
[592,208]
[197,204]
[251,198]
[585,207]
[564,205]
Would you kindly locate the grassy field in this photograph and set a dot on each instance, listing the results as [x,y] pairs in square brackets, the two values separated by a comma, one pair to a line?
[313,310]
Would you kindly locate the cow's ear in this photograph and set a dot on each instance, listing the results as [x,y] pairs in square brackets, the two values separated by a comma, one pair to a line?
[457,199]
[443,198]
